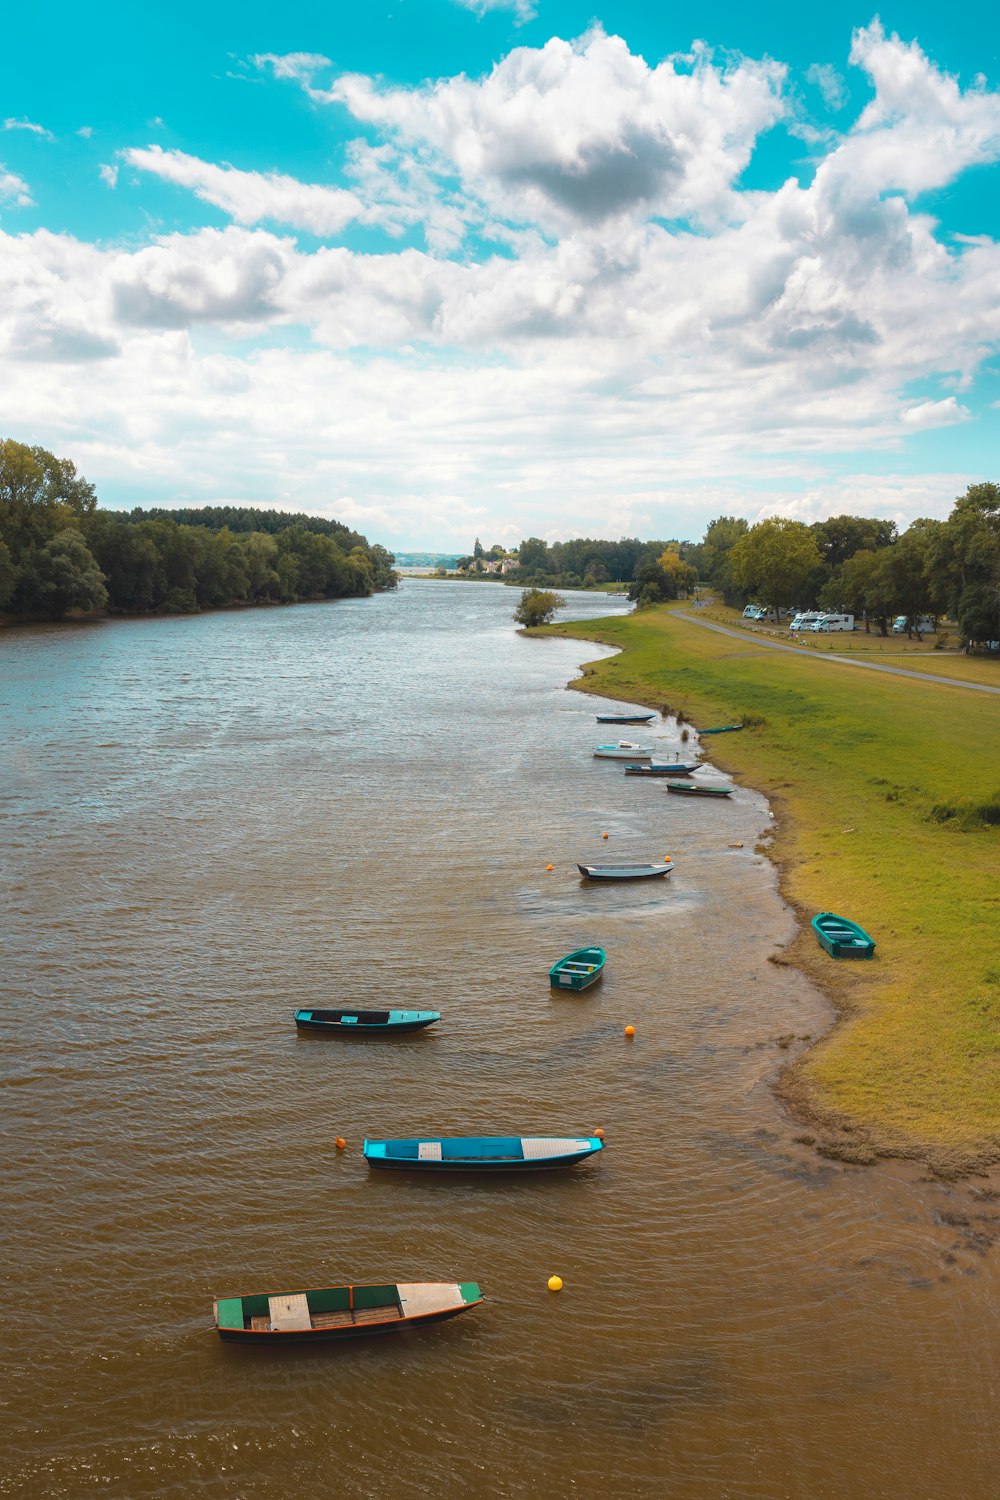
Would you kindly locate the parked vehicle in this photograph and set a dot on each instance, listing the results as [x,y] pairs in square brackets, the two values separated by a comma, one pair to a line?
[805,619]
[755,612]
[923,626]
[834,622]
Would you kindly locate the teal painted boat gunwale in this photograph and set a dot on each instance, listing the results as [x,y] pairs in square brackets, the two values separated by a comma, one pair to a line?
[578,970]
[342,1021]
[697,789]
[480,1153]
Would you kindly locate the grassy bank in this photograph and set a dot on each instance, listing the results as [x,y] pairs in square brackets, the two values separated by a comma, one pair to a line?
[879,787]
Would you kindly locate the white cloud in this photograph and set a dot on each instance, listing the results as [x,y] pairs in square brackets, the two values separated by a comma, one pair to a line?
[108,174]
[30,126]
[14,189]
[936,413]
[86,131]
[250,197]
[300,66]
[830,84]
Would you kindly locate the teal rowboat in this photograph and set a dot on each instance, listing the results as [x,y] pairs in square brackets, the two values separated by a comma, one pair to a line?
[481,1153]
[697,789]
[342,1022]
[340,1312]
[578,970]
[723,729]
[841,937]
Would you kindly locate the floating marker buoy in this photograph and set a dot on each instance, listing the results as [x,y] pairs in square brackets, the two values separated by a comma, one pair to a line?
[603,835]
[630,1031]
[599,1134]
[550,867]
[340,1143]
[555,1283]
[666,859]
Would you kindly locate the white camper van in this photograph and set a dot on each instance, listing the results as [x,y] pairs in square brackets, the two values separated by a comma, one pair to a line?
[755,612]
[834,622]
[805,619]
[924,626]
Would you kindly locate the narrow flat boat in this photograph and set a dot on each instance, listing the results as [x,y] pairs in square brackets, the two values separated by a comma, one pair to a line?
[624,750]
[625,718]
[481,1153]
[723,729]
[345,1022]
[841,937]
[663,768]
[698,789]
[340,1312]
[578,970]
[625,872]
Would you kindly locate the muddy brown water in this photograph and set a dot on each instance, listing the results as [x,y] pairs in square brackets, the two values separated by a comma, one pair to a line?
[208,822]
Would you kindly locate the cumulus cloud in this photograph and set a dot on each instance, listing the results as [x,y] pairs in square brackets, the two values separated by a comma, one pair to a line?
[936,413]
[830,84]
[669,140]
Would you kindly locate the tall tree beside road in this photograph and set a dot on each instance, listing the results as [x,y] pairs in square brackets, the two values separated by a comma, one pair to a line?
[774,561]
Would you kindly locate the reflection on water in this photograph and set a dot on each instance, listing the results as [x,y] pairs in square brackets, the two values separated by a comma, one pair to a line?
[209,822]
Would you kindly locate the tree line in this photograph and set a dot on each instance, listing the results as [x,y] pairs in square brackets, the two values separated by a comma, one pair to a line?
[59,551]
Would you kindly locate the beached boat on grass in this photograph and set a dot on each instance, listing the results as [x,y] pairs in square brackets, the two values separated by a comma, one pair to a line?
[625,872]
[698,789]
[841,937]
[723,729]
[348,1022]
[481,1153]
[340,1312]
[624,750]
[578,970]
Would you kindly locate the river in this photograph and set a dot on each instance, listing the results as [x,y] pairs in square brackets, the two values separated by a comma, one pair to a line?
[209,821]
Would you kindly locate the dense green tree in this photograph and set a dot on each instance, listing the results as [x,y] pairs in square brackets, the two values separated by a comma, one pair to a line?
[964,560]
[841,537]
[713,554]
[58,576]
[537,606]
[774,561]
[906,570]
[533,556]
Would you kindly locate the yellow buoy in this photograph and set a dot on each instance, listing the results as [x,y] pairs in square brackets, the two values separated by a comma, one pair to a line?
[340,1143]
[630,1031]
[555,1283]
[550,867]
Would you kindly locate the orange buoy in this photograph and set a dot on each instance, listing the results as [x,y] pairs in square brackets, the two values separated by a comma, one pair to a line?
[550,867]
[603,835]
[599,1134]
[340,1143]
[630,1031]
[666,859]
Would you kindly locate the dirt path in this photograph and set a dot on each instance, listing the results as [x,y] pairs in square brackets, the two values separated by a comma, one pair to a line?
[847,661]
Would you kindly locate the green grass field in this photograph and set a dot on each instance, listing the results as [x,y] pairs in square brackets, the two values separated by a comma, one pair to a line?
[879,787]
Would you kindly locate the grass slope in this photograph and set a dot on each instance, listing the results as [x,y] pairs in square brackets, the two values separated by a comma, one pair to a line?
[854,764]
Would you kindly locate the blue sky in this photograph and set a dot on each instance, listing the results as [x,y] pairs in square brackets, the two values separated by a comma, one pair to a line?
[443,268]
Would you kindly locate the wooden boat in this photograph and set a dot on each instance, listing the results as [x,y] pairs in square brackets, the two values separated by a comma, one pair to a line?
[347,1022]
[481,1153]
[578,970]
[624,750]
[340,1312]
[723,729]
[842,937]
[625,718]
[624,872]
[663,768]
[698,789]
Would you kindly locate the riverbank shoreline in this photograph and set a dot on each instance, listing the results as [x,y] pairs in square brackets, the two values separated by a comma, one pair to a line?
[901,1073]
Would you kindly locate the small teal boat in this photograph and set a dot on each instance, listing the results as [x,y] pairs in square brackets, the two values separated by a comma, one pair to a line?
[352,1021]
[340,1312]
[578,970]
[481,1153]
[723,729]
[697,789]
[841,937]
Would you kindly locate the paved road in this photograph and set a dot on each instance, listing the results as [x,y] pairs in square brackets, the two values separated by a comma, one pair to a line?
[847,661]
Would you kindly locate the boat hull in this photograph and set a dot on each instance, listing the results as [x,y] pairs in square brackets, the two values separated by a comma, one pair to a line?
[353,1023]
[654,769]
[577,971]
[841,937]
[624,872]
[693,790]
[625,718]
[337,1313]
[336,1335]
[480,1154]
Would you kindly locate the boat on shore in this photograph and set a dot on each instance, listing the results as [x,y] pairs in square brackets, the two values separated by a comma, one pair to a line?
[723,729]
[624,750]
[340,1312]
[698,789]
[625,718]
[841,937]
[625,872]
[481,1153]
[350,1022]
[578,970]
[663,768]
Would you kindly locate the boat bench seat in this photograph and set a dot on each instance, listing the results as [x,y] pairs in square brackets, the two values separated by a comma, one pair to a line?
[261,1325]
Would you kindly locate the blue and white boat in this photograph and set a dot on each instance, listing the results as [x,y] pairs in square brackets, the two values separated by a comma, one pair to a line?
[345,1022]
[624,750]
[481,1153]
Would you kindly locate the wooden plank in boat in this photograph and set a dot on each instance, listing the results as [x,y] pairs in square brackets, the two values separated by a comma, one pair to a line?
[289,1312]
[420,1299]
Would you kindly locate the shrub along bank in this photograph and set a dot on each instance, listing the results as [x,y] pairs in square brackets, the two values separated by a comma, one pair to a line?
[886,793]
